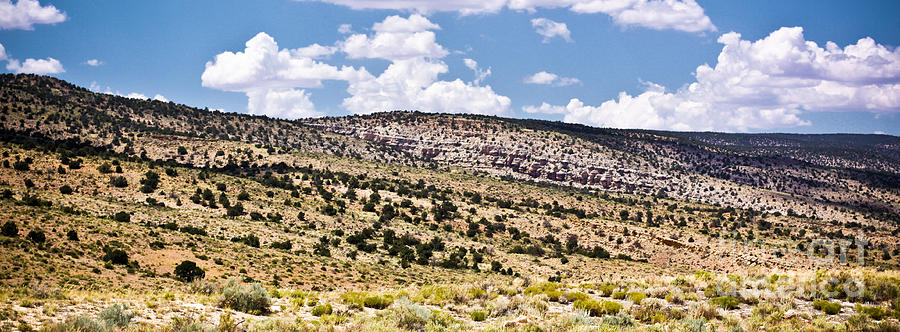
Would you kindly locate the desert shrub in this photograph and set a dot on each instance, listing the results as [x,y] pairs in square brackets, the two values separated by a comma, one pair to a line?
[249,239]
[10,229]
[596,308]
[704,311]
[284,245]
[37,236]
[827,307]
[116,316]
[607,289]
[636,297]
[354,300]
[675,297]
[188,271]
[249,298]
[726,302]
[114,256]
[436,295]
[619,295]
[65,190]
[879,289]
[72,235]
[648,310]
[576,296]
[378,301]
[118,181]
[320,310]
[204,287]
[104,168]
[150,182]
[122,216]
[618,321]
[479,316]
[875,313]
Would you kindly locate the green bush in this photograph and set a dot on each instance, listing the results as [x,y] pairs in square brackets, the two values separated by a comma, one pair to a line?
[188,271]
[595,308]
[249,298]
[827,307]
[116,316]
[65,189]
[607,289]
[378,302]
[324,309]
[122,217]
[875,313]
[619,295]
[726,302]
[118,181]
[37,236]
[479,316]
[636,297]
[10,229]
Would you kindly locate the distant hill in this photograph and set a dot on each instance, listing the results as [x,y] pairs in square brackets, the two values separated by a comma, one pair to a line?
[833,176]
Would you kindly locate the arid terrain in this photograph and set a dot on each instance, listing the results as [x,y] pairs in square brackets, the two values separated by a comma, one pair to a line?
[127,214]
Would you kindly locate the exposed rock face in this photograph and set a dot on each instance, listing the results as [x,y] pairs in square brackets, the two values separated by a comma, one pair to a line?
[741,171]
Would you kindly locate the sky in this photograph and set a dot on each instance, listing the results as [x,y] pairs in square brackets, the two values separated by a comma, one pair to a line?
[725,65]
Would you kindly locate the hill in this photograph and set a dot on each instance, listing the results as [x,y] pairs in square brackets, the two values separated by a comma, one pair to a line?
[143,215]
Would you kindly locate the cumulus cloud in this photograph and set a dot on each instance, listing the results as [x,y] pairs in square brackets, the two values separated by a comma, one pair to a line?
[396,38]
[46,66]
[24,14]
[2,53]
[760,84]
[161,98]
[264,71]
[314,51]
[135,95]
[275,79]
[480,74]
[282,103]
[549,29]
[683,15]
[345,29]
[545,78]
[93,62]
[411,80]
[465,7]
[413,84]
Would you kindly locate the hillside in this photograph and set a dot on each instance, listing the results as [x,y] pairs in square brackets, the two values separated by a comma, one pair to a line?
[430,222]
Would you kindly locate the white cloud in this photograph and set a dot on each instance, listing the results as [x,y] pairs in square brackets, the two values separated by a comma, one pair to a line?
[759,84]
[480,74]
[161,98]
[683,15]
[2,53]
[26,13]
[545,109]
[314,51]
[396,38]
[93,62]
[549,29]
[281,103]
[546,78]
[46,66]
[274,78]
[263,71]
[465,7]
[135,95]
[345,29]
[412,84]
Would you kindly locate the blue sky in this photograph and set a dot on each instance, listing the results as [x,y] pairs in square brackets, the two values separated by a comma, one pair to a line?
[637,65]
